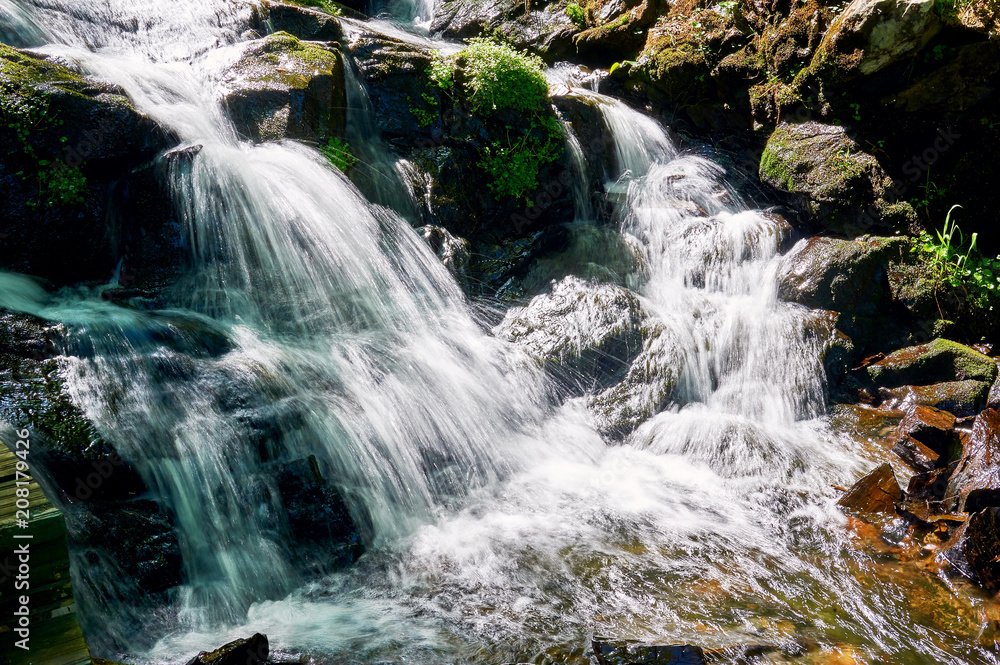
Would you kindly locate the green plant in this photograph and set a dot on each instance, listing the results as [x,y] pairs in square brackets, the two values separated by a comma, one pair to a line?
[957,264]
[515,162]
[425,116]
[442,72]
[497,77]
[58,183]
[932,192]
[577,14]
[856,108]
[327,6]
[338,153]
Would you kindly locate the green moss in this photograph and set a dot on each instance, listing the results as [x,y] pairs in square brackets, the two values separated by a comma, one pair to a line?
[938,361]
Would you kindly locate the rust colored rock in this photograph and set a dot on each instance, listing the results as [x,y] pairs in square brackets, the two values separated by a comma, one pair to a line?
[932,427]
[916,454]
[929,486]
[976,482]
[873,497]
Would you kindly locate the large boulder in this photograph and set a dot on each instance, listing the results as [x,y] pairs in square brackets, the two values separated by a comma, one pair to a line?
[254,650]
[870,35]
[69,141]
[873,498]
[302,22]
[585,334]
[848,276]
[934,362]
[544,28]
[631,652]
[963,398]
[281,87]
[830,177]
[975,483]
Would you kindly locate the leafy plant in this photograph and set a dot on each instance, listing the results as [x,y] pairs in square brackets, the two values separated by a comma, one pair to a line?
[958,264]
[497,77]
[856,108]
[442,72]
[514,163]
[425,116]
[338,153]
[577,14]
[932,192]
[329,7]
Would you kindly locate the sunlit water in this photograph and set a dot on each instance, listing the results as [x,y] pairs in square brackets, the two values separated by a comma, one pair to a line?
[500,526]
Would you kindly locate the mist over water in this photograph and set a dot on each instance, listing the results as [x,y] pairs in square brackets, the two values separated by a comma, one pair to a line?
[500,525]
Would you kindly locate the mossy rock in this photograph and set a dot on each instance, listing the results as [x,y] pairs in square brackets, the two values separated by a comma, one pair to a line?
[935,362]
[833,180]
[314,23]
[70,140]
[281,87]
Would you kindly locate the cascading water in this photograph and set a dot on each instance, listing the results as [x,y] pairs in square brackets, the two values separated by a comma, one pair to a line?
[502,527]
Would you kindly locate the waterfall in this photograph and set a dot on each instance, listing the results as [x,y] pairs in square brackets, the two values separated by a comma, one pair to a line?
[500,525]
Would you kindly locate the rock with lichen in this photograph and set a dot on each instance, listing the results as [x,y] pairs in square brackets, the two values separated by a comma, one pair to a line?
[281,87]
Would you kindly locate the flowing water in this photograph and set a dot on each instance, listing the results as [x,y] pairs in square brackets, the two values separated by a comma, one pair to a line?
[501,527]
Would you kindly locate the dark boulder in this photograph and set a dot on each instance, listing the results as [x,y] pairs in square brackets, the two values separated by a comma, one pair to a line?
[975,483]
[136,536]
[974,550]
[281,87]
[70,140]
[932,427]
[542,27]
[630,652]
[317,514]
[247,651]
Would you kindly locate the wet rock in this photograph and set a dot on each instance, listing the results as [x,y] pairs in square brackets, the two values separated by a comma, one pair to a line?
[873,34]
[630,652]
[872,499]
[621,31]
[66,448]
[930,485]
[830,177]
[934,362]
[301,22]
[68,139]
[962,398]
[958,86]
[453,252]
[915,453]
[974,549]
[646,389]
[280,87]
[317,513]
[542,27]
[975,483]
[136,536]
[993,398]
[248,651]
[583,333]
[931,427]
[848,276]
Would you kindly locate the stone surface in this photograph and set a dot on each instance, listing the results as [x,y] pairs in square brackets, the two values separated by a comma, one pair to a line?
[975,484]
[878,33]
[830,177]
[873,498]
[937,361]
[962,398]
[544,28]
[280,87]
[247,651]
[454,252]
[301,22]
[628,652]
[585,334]
[915,453]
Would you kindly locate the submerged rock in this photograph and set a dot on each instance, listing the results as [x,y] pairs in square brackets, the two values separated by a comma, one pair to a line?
[934,362]
[280,87]
[630,652]
[583,333]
